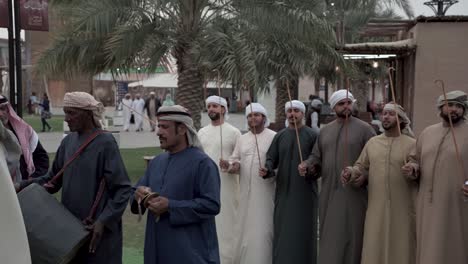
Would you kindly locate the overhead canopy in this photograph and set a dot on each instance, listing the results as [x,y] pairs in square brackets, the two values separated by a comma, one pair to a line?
[393,47]
[169,80]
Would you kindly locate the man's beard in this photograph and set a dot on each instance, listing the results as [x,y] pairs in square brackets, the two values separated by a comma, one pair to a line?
[390,126]
[344,113]
[455,118]
[214,116]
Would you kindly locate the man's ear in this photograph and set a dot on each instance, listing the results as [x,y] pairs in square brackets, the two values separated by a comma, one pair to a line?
[181,129]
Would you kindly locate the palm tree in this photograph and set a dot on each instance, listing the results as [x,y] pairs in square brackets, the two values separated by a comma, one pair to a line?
[108,34]
[259,50]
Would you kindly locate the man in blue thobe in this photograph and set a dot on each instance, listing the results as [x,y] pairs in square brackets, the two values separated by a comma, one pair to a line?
[180,226]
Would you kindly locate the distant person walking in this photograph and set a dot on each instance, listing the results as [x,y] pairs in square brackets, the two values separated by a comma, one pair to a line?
[45,113]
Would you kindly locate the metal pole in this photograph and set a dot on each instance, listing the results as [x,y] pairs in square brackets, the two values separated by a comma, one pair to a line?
[19,70]
[11,55]
[440,8]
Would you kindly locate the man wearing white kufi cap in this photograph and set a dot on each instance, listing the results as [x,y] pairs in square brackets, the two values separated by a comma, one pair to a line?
[295,213]
[442,174]
[389,231]
[182,189]
[256,202]
[342,208]
[218,140]
[93,178]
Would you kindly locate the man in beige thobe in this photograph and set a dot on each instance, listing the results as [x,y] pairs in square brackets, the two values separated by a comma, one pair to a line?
[342,209]
[442,202]
[389,230]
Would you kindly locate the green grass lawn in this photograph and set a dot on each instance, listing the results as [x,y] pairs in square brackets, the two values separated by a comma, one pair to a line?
[133,231]
[56,122]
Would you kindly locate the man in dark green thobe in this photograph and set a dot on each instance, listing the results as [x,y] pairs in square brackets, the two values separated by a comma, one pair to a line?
[295,215]
[81,180]
[342,209]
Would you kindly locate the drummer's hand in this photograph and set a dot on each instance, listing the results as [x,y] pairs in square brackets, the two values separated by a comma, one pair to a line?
[141,192]
[223,164]
[158,205]
[302,168]
[98,229]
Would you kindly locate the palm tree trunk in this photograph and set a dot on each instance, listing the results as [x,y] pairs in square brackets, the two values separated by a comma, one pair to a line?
[189,91]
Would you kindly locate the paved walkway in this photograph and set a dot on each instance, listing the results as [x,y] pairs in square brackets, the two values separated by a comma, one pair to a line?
[132,139]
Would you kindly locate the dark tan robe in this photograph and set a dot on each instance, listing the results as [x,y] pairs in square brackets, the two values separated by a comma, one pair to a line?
[341,209]
[441,213]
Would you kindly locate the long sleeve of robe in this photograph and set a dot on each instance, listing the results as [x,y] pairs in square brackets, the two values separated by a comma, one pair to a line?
[80,182]
[390,228]
[14,247]
[210,138]
[341,209]
[187,232]
[295,214]
[441,212]
[256,200]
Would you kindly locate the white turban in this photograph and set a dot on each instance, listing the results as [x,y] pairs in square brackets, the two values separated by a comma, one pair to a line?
[402,117]
[220,101]
[295,104]
[178,113]
[257,108]
[85,101]
[340,95]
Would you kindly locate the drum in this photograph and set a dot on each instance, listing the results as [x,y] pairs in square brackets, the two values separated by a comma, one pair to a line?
[55,235]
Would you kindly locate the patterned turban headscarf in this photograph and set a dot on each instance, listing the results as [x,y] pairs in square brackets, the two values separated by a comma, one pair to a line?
[178,113]
[402,117]
[220,101]
[26,135]
[12,149]
[457,97]
[85,101]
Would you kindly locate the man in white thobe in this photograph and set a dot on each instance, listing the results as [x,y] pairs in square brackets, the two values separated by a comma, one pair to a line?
[127,104]
[256,200]
[218,140]
[139,107]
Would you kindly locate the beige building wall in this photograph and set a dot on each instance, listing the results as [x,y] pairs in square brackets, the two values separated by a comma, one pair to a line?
[56,89]
[442,53]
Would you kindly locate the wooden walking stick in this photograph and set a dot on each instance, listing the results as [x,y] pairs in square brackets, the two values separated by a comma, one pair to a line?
[254,129]
[441,85]
[295,121]
[345,151]
[393,97]
[220,116]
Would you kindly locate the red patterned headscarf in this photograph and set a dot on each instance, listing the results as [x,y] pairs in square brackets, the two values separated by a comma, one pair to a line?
[26,135]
